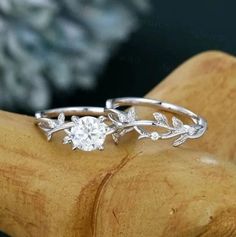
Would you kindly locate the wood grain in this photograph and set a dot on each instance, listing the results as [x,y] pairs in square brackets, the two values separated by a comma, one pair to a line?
[139,188]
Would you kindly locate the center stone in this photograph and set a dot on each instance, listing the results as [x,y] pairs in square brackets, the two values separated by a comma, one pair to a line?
[89,133]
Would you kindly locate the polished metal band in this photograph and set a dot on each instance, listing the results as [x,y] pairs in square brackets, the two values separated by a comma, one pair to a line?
[176,129]
[71,111]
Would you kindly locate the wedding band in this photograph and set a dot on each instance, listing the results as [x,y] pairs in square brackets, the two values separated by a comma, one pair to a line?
[87,132]
[128,120]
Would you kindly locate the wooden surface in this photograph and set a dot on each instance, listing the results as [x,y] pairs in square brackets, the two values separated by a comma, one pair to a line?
[135,189]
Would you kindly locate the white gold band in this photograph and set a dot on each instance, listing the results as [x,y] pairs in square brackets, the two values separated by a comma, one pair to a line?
[177,129]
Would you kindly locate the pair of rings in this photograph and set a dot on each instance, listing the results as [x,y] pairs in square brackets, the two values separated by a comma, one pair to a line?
[88,127]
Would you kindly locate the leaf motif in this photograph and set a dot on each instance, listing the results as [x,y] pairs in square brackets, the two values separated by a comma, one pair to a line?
[75,119]
[46,123]
[66,140]
[124,131]
[127,117]
[49,137]
[177,123]
[122,117]
[161,119]
[180,140]
[61,118]
[115,137]
[193,129]
[131,115]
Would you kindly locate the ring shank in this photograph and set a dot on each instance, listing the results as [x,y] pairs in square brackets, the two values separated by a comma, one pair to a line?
[70,111]
[162,105]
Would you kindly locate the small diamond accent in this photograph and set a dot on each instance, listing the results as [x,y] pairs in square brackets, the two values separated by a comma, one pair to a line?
[155,136]
[88,134]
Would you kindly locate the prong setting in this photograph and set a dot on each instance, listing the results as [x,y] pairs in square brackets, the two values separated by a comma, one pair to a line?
[87,134]
[102,118]
[75,119]
[101,148]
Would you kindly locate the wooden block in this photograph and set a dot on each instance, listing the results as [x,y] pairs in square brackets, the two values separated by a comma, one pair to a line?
[138,188]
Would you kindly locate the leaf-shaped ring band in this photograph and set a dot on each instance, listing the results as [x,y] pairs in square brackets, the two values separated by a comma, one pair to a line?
[86,132]
[177,129]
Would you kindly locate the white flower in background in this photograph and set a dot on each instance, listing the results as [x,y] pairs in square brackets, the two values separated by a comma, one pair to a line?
[50,45]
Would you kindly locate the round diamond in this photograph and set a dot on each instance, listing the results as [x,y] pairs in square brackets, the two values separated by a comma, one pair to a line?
[155,136]
[88,134]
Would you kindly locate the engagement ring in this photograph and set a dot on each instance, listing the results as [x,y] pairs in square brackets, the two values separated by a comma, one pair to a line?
[86,130]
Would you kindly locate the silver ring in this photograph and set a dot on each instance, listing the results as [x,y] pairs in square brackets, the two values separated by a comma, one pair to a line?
[86,133]
[128,121]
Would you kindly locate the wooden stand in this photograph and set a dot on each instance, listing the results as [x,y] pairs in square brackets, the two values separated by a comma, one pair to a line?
[135,189]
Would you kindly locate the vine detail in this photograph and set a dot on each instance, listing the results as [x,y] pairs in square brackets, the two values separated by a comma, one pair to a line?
[50,125]
[176,129]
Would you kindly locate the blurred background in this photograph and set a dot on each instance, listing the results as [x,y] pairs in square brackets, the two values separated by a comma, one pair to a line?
[81,52]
